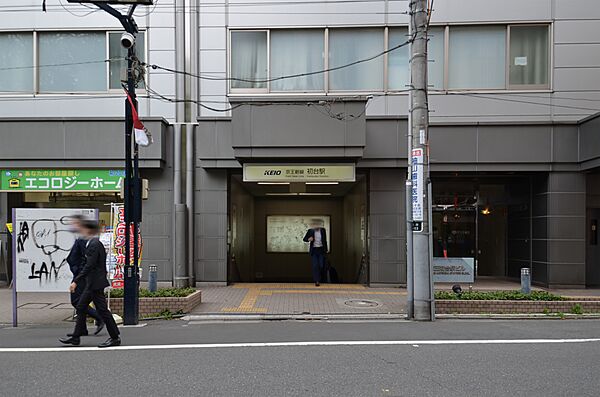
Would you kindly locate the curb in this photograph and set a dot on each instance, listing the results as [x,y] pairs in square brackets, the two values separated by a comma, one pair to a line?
[297,317]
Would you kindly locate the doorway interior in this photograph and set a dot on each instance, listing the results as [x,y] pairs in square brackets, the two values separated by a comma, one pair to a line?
[267,222]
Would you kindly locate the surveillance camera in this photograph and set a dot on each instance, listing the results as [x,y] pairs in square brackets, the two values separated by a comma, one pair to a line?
[127,40]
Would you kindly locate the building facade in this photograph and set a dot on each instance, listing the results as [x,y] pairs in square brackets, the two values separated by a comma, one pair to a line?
[274,124]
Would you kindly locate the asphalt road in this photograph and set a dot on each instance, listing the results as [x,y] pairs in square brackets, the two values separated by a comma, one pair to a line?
[534,358]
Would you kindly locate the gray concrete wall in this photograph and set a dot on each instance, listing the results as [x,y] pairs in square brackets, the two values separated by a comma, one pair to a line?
[387,229]
[83,143]
[298,131]
[211,225]
[559,229]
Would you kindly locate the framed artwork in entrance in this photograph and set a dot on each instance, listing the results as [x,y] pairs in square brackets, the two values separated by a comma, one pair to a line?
[285,232]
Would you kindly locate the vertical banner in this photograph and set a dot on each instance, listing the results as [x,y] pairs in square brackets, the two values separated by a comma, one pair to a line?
[118,227]
[417,184]
[43,239]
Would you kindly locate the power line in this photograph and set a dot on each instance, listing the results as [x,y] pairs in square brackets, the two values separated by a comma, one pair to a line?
[291,76]
[483,96]
[62,64]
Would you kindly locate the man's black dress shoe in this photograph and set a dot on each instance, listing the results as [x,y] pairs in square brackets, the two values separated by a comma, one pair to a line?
[99,328]
[70,341]
[84,334]
[110,342]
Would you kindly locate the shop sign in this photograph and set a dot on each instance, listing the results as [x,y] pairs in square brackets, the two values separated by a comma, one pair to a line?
[299,173]
[60,180]
[454,270]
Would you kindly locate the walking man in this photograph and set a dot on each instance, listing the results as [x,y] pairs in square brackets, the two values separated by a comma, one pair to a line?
[76,260]
[317,237]
[95,277]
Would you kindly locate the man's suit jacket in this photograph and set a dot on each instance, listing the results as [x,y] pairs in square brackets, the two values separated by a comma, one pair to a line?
[76,257]
[94,271]
[311,233]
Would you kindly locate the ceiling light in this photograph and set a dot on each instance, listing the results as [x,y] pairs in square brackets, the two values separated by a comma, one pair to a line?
[273,183]
[281,194]
[322,183]
[314,194]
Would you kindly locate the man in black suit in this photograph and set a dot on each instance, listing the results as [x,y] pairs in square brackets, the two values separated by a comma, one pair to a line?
[317,237]
[76,260]
[95,276]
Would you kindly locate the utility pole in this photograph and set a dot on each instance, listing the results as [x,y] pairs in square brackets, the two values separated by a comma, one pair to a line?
[422,299]
[132,181]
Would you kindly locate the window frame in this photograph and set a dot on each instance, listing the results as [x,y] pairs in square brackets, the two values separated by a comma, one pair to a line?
[549,66]
[36,63]
[232,90]
[386,90]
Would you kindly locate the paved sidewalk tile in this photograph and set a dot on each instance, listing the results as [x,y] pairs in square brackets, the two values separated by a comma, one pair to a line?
[299,298]
[36,308]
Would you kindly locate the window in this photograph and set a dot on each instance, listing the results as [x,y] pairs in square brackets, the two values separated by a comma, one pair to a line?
[474,57]
[398,60]
[477,57]
[435,50]
[349,45]
[296,52]
[528,61]
[249,59]
[85,52]
[117,54]
[16,61]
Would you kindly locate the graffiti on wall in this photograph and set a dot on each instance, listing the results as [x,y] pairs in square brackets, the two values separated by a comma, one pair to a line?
[43,239]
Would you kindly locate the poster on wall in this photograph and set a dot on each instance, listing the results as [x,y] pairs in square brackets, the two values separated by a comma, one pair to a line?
[42,241]
[285,232]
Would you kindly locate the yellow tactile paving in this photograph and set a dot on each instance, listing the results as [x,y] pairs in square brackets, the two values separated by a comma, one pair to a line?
[298,286]
[323,291]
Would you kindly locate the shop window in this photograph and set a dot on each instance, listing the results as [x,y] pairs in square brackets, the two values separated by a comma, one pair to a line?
[349,45]
[72,62]
[477,57]
[295,52]
[16,61]
[117,54]
[529,54]
[249,59]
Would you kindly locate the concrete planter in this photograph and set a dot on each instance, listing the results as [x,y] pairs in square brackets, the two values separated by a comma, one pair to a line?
[151,306]
[513,307]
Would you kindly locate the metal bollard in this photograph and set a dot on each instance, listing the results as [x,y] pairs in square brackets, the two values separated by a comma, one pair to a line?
[525,280]
[152,278]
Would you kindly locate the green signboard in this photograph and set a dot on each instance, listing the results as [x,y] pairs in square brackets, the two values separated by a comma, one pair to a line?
[52,180]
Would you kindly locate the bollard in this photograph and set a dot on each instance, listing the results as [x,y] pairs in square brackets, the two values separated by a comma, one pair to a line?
[152,278]
[525,280]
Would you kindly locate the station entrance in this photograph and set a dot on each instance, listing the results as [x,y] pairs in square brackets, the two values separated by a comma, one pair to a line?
[267,222]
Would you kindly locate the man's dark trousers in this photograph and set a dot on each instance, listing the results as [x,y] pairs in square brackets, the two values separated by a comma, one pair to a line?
[317,257]
[96,296]
[75,296]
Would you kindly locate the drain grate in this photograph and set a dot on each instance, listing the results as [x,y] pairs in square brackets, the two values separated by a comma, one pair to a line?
[362,303]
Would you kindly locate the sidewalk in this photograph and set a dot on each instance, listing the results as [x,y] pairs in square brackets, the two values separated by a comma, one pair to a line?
[36,308]
[298,298]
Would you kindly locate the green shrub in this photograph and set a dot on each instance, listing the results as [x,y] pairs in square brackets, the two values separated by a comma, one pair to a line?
[160,293]
[499,295]
[577,309]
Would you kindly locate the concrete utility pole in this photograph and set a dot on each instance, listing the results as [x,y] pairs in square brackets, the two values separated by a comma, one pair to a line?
[422,290]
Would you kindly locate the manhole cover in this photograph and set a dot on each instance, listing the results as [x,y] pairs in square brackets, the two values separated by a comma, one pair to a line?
[361,303]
